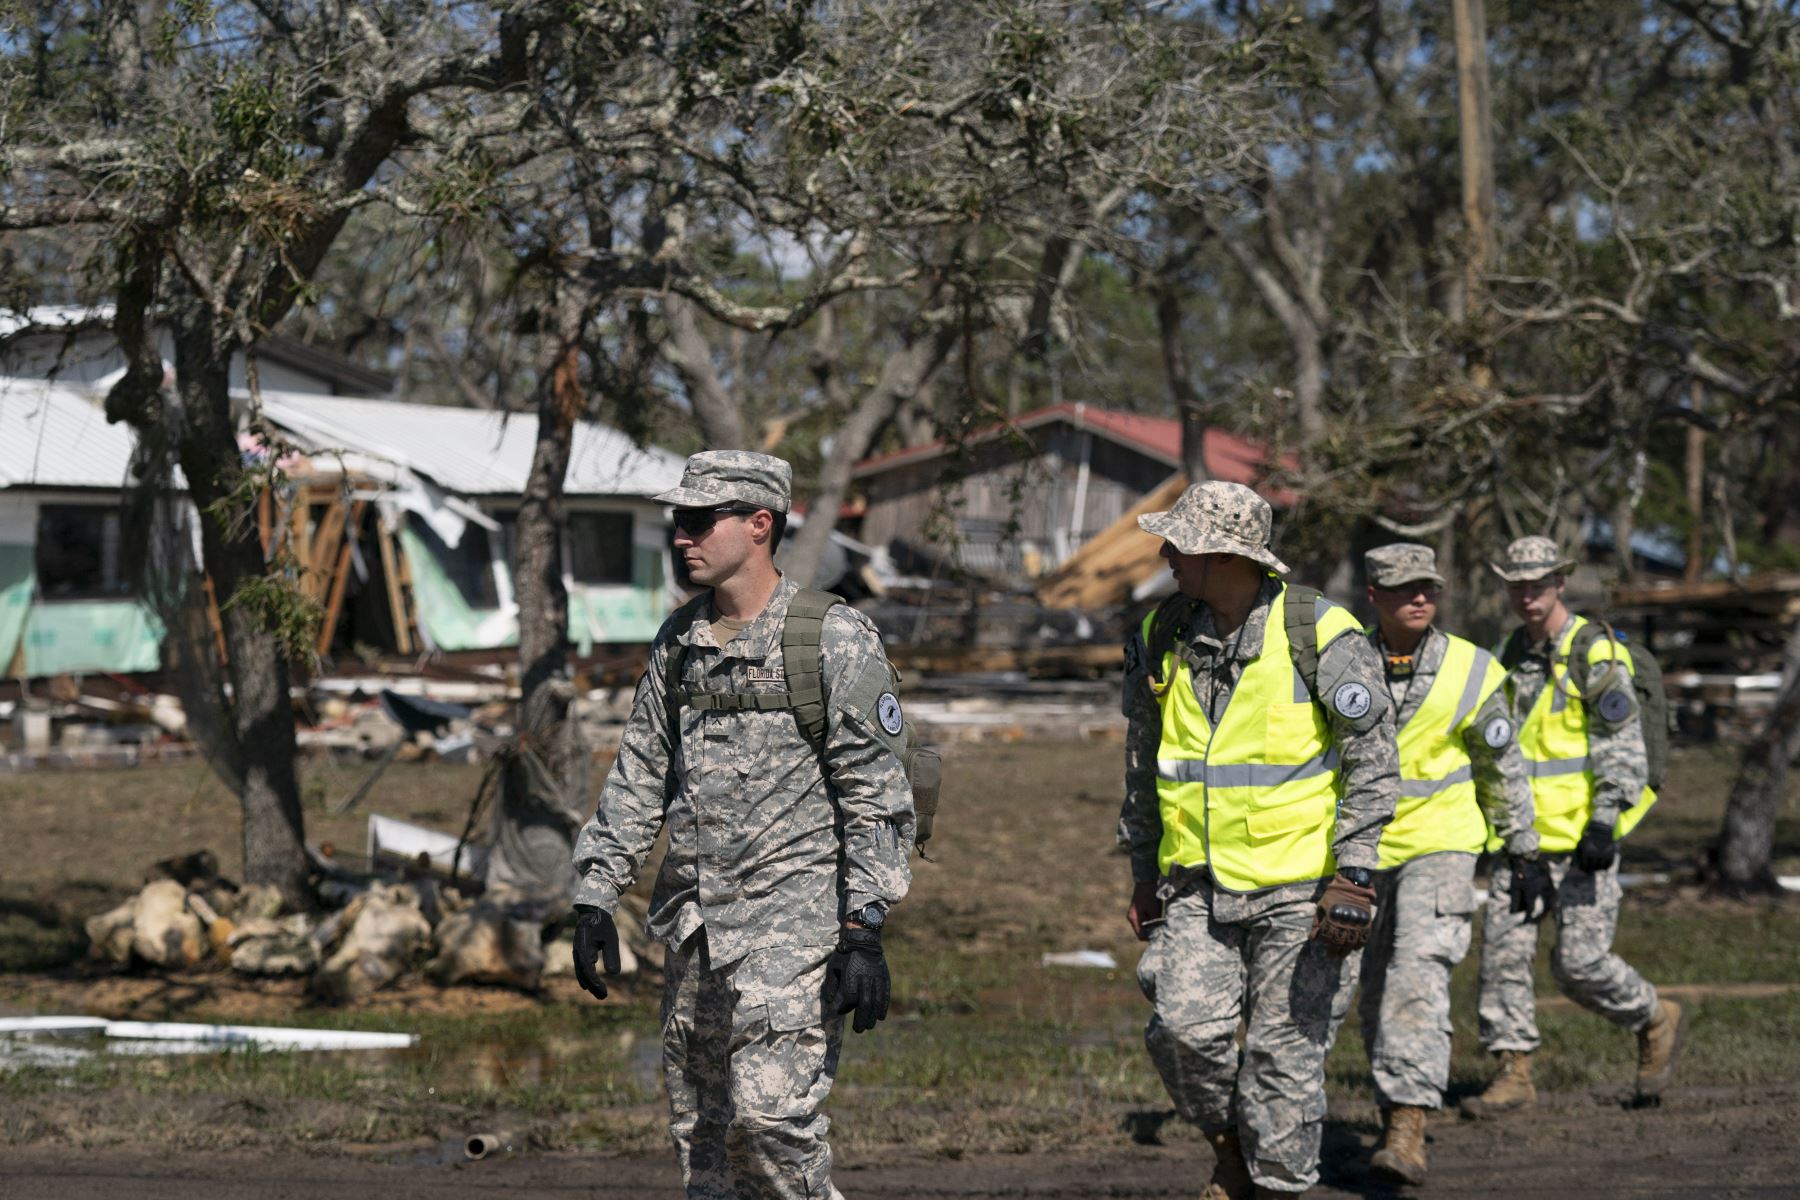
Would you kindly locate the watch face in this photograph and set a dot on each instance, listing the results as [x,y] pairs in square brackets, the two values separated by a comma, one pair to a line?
[872,917]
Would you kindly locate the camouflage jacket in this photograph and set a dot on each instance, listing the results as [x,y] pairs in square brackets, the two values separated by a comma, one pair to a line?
[770,843]
[1616,751]
[1369,760]
[1501,786]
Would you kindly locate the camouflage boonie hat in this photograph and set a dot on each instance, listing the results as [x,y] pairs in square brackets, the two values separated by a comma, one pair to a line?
[1532,558]
[1217,518]
[1401,562]
[715,477]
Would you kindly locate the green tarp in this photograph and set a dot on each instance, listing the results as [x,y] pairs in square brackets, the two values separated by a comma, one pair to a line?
[18,575]
[607,614]
[72,637]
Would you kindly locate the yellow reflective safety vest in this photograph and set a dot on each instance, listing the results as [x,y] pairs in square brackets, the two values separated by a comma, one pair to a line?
[1437,809]
[1254,800]
[1554,740]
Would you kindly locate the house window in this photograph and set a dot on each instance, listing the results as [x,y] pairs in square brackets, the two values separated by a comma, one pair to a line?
[78,553]
[469,565]
[600,547]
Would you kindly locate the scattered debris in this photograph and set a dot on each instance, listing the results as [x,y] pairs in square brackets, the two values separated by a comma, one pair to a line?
[387,932]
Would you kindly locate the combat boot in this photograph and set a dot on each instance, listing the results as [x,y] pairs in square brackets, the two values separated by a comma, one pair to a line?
[1231,1174]
[1402,1152]
[1511,1088]
[1659,1045]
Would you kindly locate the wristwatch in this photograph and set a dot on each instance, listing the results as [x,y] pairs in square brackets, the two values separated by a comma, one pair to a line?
[1362,877]
[870,916]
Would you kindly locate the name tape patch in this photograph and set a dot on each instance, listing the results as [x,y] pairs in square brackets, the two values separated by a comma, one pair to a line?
[1351,700]
[887,711]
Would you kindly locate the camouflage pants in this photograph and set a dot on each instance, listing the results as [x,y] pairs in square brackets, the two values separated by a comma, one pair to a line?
[1202,974]
[1586,969]
[1423,910]
[748,1058]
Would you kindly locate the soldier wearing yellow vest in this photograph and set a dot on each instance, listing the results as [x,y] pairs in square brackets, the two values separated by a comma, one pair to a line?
[1461,776]
[1584,752]
[1254,800]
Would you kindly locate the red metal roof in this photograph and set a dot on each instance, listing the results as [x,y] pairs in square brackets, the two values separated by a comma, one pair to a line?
[1228,457]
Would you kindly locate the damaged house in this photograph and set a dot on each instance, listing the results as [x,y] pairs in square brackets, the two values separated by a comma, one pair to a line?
[397,516]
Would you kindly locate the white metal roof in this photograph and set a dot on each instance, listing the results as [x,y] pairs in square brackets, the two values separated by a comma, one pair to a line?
[53,436]
[469,450]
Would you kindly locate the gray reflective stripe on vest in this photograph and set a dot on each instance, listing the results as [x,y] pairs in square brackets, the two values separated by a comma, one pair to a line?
[1559,698]
[1301,695]
[1227,775]
[1543,768]
[1471,694]
[1431,787]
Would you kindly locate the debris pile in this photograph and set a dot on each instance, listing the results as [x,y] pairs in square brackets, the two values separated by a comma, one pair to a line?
[188,917]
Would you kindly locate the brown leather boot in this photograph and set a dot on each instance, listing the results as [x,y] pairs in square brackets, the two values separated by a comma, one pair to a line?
[1511,1088]
[1659,1045]
[1402,1152]
[1231,1174]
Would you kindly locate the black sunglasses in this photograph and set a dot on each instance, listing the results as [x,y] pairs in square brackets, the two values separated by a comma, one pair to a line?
[697,521]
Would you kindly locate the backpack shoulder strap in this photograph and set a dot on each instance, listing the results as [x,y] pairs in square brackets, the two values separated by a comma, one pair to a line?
[801,634]
[1166,624]
[676,659]
[1300,617]
[1580,669]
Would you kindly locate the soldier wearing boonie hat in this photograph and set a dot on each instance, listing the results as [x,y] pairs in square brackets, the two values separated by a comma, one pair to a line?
[784,853]
[1260,766]
[1462,781]
[1529,559]
[1572,701]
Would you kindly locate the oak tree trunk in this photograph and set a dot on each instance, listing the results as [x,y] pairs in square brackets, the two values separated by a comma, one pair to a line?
[1747,840]
[261,717]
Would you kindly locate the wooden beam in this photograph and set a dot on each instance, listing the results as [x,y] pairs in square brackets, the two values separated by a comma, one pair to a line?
[1105,571]
[390,573]
[340,577]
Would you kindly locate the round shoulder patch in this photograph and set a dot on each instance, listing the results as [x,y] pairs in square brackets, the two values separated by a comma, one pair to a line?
[1615,706]
[1351,700]
[887,711]
[1497,732]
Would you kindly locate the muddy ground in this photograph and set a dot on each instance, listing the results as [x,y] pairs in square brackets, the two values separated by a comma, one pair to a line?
[995,1076]
[1715,1143]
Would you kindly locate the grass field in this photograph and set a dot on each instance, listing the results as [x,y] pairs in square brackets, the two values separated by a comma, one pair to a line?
[986,1049]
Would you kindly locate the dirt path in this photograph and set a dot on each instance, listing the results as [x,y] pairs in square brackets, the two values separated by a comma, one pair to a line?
[1714,1143]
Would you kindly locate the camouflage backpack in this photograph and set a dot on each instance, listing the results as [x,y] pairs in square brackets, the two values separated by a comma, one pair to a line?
[801,634]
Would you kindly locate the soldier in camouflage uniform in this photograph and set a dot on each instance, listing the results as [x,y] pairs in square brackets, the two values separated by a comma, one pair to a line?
[1254,799]
[782,860]
[1584,750]
[1461,776]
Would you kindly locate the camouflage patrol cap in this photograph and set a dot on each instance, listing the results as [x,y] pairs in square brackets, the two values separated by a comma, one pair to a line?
[715,477]
[1217,518]
[1402,562]
[1531,558]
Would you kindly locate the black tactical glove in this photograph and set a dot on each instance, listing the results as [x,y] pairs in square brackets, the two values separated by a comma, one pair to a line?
[1345,914]
[857,978]
[1596,850]
[1532,890]
[595,937]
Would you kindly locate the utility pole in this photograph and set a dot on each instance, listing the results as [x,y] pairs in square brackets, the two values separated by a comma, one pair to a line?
[1477,123]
